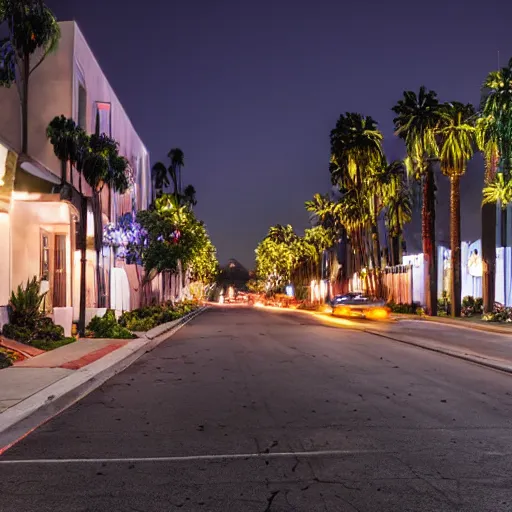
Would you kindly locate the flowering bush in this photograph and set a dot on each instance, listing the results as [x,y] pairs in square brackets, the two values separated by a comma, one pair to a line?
[128,238]
[500,313]
[472,306]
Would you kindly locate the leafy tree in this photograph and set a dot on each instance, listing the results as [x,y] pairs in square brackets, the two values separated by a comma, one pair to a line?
[457,144]
[72,145]
[494,136]
[32,34]
[418,116]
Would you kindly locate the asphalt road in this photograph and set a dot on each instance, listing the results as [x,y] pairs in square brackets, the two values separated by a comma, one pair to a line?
[350,422]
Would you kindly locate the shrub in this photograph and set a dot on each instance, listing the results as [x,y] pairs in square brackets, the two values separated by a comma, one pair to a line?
[472,306]
[404,309]
[500,314]
[8,357]
[107,327]
[25,304]
[146,318]
[444,305]
[18,333]
[5,361]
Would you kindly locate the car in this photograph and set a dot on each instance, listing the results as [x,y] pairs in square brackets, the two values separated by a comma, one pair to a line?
[360,305]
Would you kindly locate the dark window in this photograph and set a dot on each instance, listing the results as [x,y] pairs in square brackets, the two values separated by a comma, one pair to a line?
[82,107]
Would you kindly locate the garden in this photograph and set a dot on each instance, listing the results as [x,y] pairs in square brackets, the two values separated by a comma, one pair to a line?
[29,324]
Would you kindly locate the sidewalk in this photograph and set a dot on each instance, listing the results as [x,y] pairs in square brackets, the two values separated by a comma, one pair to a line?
[464,323]
[35,389]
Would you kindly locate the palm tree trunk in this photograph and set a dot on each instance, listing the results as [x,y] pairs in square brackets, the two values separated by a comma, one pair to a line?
[63,171]
[83,264]
[24,104]
[455,244]
[429,240]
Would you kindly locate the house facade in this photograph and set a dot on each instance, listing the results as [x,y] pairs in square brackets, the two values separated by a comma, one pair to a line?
[38,220]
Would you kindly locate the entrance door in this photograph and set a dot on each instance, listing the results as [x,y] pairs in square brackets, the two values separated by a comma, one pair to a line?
[59,272]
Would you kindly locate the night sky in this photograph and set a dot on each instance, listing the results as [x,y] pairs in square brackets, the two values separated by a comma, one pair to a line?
[251,90]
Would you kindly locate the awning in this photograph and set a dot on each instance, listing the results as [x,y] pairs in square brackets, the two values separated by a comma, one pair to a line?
[39,171]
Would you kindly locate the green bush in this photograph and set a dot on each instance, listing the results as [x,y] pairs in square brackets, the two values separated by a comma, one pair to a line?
[18,333]
[472,306]
[146,318]
[28,323]
[107,327]
[404,309]
[140,324]
[26,304]
[5,361]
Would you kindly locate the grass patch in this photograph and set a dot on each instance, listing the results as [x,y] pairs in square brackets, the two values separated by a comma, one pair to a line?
[52,344]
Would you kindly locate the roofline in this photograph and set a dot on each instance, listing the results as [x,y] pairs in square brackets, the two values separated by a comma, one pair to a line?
[77,28]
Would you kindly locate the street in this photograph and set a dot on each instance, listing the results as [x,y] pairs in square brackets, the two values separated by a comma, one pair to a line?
[250,410]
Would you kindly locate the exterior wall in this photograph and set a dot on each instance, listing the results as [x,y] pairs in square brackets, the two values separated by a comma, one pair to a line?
[5,258]
[49,95]
[87,71]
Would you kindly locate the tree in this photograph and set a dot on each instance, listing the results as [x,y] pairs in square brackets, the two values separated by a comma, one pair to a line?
[177,163]
[356,160]
[160,177]
[417,119]
[71,145]
[457,141]
[189,195]
[494,136]
[103,166]
[398,206]
[33,33]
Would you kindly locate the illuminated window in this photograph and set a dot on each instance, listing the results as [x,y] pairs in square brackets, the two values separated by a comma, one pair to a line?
[102,121]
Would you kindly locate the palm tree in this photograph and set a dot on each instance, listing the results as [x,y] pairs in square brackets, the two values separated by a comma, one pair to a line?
[177,163]
[62,132]
[189,195]
[71,145]
[160,177]
[356,155]
[398,206]
[457,139]
[417,119]
[495,140]
[32,30]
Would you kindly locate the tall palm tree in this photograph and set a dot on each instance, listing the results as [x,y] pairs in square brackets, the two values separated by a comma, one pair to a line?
[189,195]
[71,145]
[62,132]
[417,118]
[177,163]
[356,154]
[32,34]
[495,140]
[398,206]
[457,140]
[160,177]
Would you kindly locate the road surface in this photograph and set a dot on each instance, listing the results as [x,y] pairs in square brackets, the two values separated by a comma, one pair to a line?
[249,410]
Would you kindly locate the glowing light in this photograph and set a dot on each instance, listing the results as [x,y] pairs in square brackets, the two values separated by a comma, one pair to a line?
[289,290]
[259,305]
[342,311]
[378,313]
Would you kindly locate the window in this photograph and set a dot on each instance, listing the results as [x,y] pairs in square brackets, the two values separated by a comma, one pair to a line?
[82,106]
[102,121]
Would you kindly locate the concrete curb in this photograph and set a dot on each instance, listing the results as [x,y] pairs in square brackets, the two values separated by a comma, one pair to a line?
[481,360]
[21,419]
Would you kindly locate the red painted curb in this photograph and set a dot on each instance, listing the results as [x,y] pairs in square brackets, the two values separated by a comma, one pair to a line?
[92,356]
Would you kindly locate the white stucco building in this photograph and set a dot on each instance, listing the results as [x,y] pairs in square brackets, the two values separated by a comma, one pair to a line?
[37,221]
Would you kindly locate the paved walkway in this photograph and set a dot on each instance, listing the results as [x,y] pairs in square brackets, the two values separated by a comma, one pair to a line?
[34,374]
